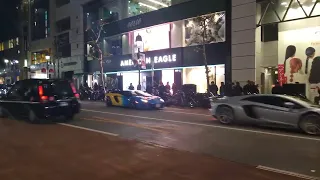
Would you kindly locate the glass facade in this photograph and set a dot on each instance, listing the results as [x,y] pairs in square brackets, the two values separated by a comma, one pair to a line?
[274,11]
[121,9]
[183,33]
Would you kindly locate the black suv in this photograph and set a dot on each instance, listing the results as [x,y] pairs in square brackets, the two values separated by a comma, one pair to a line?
[40,99]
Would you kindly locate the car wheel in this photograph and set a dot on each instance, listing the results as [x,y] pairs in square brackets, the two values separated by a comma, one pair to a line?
[310,124]
[33,118]
[108,101]
[225,115]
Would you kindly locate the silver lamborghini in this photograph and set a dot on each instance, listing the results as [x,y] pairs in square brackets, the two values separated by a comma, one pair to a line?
[269,110]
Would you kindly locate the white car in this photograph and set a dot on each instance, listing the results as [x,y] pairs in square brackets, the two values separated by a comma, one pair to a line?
[273,110]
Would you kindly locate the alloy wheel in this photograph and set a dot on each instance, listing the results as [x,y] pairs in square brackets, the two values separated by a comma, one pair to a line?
[311,124]
[225,115]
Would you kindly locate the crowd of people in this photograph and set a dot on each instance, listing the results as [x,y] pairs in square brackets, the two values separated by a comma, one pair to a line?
[233,89]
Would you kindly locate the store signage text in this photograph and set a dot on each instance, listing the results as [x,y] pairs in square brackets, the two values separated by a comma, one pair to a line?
[156,59]
[134,23]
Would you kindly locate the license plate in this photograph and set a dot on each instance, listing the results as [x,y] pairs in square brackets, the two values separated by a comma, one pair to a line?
[63,104]
[158,105]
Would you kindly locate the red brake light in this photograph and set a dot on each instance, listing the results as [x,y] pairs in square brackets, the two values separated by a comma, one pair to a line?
[40,90]
[73,88]
[44,98]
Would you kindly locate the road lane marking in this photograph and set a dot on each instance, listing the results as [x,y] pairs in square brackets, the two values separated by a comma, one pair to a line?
[288,173]
[197,114]
[207,125]
[88,129]
[98,119]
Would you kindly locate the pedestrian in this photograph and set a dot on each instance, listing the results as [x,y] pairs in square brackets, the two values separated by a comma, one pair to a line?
[162,89]
[247,87]
[228,89]
[213,88]
[222,89]
[174,88]
[237,89]
[131,87]
[168,88]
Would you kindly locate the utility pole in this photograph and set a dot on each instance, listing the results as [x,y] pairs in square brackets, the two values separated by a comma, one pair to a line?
[139,69]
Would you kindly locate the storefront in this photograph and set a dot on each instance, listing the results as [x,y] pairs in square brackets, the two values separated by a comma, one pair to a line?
[175,65]
[166,49]
[41,71]
[290,45]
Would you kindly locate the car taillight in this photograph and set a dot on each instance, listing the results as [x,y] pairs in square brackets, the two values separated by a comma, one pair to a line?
[74,90]
[40,90]
[42,97]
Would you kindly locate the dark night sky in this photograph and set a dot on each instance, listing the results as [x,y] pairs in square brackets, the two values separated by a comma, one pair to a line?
[8,19]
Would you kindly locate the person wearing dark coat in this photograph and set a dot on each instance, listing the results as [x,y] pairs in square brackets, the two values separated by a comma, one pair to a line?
[246,88]
[228,89]
[237,89]
[213,88]
[222,89]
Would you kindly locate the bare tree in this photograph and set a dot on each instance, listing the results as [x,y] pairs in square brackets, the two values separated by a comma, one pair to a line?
[209,27]
[96,51]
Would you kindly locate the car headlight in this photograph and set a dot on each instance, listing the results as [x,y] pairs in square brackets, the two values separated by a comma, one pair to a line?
[161,100]
[144,100]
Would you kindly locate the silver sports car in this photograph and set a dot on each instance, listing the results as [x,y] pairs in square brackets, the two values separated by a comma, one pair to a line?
[269,110]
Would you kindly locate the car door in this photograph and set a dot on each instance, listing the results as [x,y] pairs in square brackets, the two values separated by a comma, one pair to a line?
[272,110]
[14,101]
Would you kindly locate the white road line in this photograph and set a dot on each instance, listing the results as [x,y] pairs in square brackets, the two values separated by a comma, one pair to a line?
[302,176]
[207,125]
[197,114]
[88,129]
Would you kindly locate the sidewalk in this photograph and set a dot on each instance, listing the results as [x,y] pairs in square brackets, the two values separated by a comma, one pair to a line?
[56,152]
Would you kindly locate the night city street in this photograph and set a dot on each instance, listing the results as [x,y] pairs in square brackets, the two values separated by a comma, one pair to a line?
[255,150]
[196,131]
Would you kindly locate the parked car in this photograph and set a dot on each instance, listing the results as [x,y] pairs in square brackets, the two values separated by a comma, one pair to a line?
[269,110]
[39,99]
[134,99]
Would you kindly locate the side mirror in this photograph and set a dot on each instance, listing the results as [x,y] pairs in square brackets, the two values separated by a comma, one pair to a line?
[289,105]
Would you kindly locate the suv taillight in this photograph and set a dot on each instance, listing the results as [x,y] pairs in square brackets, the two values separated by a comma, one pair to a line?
[43,98]
[74,90]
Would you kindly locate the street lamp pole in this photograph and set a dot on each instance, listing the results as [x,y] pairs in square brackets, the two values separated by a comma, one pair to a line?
[48,58]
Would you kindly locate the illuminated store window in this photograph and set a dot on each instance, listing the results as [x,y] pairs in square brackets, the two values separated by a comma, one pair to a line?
[11,43]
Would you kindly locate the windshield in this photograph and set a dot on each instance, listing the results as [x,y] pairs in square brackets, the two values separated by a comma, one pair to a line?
[60,88]
[141,93]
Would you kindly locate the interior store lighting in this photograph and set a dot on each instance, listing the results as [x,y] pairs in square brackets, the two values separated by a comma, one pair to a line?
[157,2]
[146,5]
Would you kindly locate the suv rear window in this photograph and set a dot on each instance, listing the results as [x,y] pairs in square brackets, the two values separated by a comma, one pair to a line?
[59,88]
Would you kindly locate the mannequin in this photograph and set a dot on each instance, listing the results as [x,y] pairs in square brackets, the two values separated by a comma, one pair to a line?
[310,53]
[290,53]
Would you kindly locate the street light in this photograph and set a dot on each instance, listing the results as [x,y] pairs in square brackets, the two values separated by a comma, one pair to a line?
[6,61]
[139,44]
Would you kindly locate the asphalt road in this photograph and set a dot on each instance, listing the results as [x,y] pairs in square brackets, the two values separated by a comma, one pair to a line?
[196,131]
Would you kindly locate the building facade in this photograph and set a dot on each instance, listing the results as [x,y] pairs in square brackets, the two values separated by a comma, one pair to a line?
[276,41]
[167,38]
